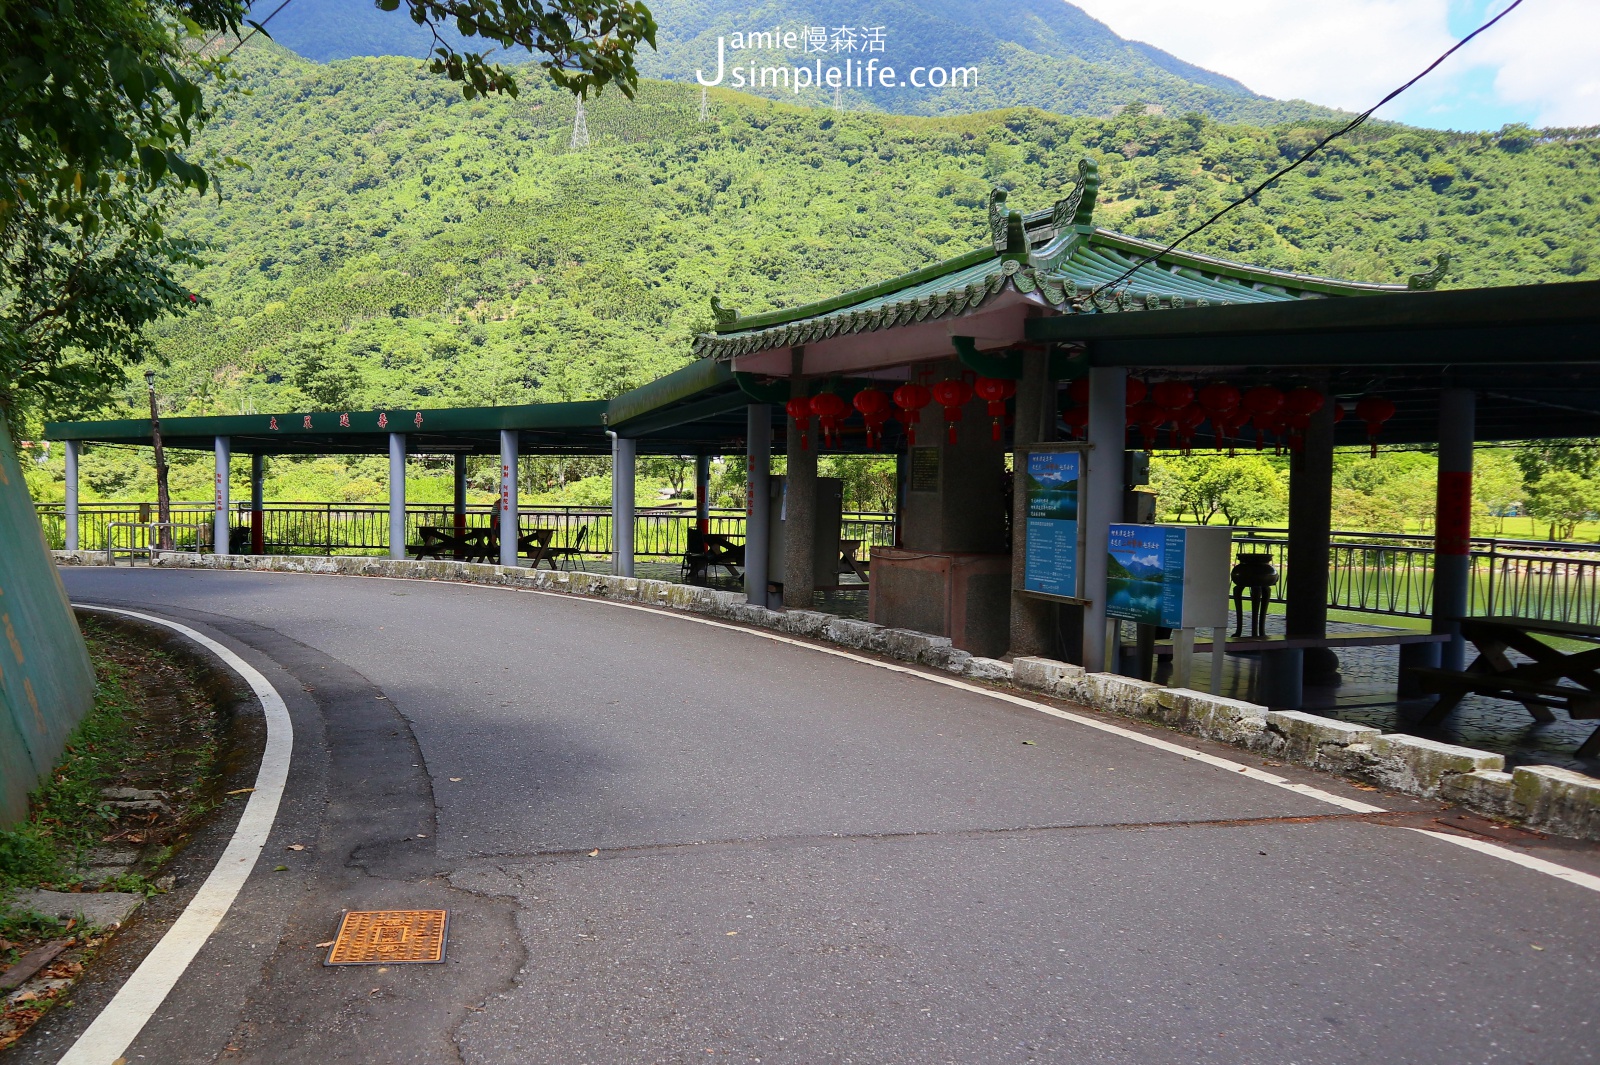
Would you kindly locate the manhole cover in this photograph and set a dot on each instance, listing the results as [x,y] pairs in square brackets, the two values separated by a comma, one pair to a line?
[390,937]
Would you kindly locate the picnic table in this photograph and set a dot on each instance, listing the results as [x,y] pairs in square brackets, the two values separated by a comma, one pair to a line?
[1536,684]
[706,550]
[849,563]
[480,545]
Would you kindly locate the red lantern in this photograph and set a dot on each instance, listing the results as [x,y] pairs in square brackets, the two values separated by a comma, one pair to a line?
[952,396]
[1338,413]
[1172,395]
[1299,405]
[1148,417]
[911,398]
[995,391]
[1221,402]
[799,409]
[1262,402]
[874,407]
[1374,410]
[1219,399]
[1228,425]
[1186,422]
[1135,388]
[1076,419]
[1078,392]
[830,410]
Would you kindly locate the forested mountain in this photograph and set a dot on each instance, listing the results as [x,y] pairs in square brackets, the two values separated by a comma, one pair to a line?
[394,244]
[1039,53]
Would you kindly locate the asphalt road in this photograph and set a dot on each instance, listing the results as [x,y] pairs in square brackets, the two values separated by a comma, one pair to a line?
[807,859]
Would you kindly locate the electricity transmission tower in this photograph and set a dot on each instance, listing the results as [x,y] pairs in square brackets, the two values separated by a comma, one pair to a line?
[838,98]
[702,103]
[580,130]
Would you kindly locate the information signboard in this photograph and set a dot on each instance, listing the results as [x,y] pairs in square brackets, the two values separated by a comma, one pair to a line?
[1172,576]
[1054,477]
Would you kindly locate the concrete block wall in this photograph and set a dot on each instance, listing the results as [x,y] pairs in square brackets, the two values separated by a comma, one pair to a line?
[1546,798]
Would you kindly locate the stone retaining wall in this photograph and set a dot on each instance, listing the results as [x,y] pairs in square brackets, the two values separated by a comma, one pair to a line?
[1542,797]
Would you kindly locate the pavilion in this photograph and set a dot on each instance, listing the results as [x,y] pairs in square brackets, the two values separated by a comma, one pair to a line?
[1028,309]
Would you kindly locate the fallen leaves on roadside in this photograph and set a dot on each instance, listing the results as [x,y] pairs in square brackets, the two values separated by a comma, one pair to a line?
[595,853]
[280,869]
[329,943]
[295,847]
[241,791]
[1363,787]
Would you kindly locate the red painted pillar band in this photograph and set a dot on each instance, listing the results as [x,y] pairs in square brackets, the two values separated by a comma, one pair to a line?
[1453,529]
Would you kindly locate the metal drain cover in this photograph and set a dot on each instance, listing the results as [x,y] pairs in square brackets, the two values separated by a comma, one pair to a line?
[390,937]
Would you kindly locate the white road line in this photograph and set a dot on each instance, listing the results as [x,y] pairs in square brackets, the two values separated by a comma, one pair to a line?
[1527,861]
[132,1007]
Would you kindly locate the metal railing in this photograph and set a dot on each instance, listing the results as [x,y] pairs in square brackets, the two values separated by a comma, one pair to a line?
[1375,573]
[363,528]
[144,538]
[1391,573]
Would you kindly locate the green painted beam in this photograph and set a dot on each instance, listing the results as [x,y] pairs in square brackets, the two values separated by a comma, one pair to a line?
[676,387]
[682,414]
[588,415]
[1572,302]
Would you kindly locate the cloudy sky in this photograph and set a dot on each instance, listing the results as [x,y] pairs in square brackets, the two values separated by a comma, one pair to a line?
[1540,65]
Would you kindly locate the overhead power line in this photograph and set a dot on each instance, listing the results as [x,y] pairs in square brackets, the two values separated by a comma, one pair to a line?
[1313,150]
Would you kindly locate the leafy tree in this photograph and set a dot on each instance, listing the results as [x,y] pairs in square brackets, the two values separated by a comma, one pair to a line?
[1245,489]
[102,101]
[1497,484]
[102,98]
[586,44]
[1563,498]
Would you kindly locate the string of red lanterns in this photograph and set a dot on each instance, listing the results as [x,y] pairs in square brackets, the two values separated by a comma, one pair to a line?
[1179,405]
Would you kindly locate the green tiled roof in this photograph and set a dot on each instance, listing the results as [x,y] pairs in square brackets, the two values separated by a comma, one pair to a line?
[1055,254]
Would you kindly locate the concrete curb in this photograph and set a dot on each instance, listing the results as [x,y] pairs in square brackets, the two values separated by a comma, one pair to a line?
[1546,798]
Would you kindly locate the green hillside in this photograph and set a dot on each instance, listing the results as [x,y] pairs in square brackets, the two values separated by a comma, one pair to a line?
[1048,55]
[395,245]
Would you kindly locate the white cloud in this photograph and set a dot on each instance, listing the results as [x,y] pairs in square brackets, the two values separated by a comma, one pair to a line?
[1545,56]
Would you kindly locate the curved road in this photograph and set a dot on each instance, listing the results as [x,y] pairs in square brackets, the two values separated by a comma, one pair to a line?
[803,858]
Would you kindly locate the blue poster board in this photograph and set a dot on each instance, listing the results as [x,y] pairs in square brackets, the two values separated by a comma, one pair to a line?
[1050,566]
[1145,575]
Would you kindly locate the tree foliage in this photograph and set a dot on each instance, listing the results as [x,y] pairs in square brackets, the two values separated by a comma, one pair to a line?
[585,45]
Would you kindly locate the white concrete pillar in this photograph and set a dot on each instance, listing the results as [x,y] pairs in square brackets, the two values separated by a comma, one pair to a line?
[221,518]
[258,503]
[397,495]
[623,451]
[1100,500]
[510,515]
[702,492]
[71,542]
[757,517]
[1452,537]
